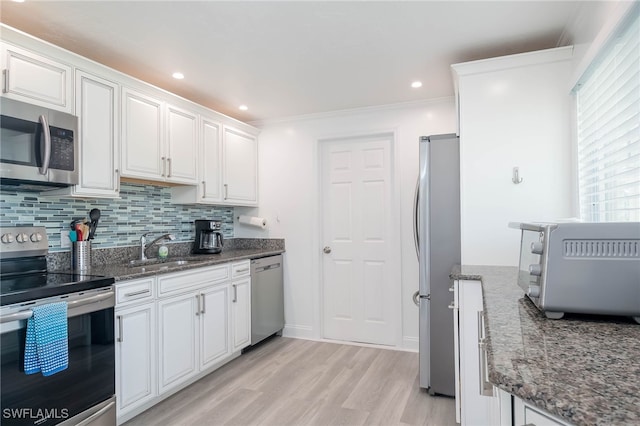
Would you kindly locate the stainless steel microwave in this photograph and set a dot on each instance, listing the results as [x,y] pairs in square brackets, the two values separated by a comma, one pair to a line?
[38,146]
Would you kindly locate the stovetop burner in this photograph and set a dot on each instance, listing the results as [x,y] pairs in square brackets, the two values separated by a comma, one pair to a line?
[23,270]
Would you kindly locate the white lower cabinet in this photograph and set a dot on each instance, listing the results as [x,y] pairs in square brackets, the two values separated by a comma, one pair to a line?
[214,330]
[525,414]
[135,346]
[478,402]
[174,328]
[177,340]
[474,398]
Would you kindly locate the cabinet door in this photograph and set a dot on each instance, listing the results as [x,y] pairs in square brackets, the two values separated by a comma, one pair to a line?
[182,146]
[142,149]
[475,407]
[241,313]
[35,79]
[214,325]
[211,165]
[97,107]
[240,165]
[135,356]
[178,340]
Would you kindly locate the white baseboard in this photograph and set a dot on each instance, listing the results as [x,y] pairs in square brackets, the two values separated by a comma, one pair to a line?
[411,343]
[298,332]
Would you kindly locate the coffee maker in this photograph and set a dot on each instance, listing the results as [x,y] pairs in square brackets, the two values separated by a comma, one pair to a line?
[208,237]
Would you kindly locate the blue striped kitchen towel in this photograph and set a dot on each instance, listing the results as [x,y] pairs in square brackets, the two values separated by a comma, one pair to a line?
[46,347]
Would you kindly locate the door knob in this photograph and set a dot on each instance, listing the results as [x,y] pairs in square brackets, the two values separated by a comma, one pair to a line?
[327,249]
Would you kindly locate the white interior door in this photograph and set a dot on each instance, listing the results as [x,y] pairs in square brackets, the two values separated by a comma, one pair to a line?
[360,284]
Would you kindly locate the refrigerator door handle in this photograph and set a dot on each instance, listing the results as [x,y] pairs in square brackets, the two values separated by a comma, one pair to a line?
[416,201]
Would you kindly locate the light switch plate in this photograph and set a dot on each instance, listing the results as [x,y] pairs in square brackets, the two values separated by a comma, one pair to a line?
[65,242]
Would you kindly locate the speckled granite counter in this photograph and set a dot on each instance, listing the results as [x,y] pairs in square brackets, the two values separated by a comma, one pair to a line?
[114,262]
[584,369]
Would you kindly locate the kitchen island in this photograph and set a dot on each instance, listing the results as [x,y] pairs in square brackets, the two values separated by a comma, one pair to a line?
[584,369]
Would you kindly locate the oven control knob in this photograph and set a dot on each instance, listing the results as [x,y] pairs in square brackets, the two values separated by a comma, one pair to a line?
[537,248]
[534,291]
[36,237]
[7,238]
[22,238]
[535,269]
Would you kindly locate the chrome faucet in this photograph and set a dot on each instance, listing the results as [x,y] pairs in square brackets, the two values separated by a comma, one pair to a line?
[144,247]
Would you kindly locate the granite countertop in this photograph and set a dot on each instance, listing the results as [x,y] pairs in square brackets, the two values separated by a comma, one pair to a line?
[123,272]
[584,369]
[115,262]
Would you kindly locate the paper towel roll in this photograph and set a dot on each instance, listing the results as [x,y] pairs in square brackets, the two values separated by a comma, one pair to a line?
[258,222]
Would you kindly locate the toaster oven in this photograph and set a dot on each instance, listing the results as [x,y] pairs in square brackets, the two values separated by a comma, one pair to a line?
[579,267]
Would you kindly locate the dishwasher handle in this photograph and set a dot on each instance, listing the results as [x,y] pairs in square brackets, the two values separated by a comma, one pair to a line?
[267,267]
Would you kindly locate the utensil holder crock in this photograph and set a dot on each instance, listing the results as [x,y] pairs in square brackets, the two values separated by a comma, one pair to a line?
[81,255]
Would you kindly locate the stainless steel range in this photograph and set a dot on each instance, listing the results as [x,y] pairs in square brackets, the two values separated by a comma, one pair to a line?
[84,391]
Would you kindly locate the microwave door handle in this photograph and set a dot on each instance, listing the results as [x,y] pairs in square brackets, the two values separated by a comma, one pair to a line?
[46,132]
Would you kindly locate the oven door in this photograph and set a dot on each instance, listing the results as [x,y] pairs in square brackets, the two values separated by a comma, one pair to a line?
[88,381]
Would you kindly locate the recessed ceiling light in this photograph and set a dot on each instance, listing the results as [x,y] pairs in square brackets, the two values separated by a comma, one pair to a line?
[243,107]
[178,75]
[416,84]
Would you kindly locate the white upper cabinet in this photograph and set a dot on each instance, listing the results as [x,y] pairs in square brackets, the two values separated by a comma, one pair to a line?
[142,136]
[97,102]
[211,166]
[150,153]
[36,79]
[182,146]
[228,168]
[240,167]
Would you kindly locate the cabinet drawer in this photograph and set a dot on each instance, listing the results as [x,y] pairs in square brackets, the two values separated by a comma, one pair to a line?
[136,290]
[179,281]
[240,269]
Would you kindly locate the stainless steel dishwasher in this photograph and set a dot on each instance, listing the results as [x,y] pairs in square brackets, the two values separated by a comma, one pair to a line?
[267,298]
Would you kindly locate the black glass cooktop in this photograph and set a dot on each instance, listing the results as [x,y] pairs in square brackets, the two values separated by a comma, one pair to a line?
[18,288]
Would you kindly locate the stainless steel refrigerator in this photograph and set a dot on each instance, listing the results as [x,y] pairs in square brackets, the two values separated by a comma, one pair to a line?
[437,230]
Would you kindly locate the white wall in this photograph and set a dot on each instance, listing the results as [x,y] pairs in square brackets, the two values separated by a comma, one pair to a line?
[515,111]
[289,191]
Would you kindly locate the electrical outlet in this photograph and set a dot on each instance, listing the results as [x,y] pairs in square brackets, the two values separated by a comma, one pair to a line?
[65,242]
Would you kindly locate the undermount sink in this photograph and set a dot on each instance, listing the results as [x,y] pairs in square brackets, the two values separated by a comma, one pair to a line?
[159,266]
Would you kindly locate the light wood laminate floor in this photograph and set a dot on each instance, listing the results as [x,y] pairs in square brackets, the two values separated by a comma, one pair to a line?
[301,382]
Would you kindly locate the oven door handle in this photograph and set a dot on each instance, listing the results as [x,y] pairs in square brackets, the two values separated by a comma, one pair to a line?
[28,313]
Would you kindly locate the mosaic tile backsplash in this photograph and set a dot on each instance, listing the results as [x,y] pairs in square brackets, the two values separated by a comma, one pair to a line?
[141,208]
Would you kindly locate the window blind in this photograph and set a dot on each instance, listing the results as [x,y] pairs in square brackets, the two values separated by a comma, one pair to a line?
[608,118]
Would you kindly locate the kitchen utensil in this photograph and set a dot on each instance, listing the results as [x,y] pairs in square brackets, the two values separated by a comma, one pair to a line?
[94,215]
[85,232]
[79,232]
[73,236]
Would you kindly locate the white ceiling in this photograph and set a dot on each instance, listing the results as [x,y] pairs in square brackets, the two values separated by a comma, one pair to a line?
[291,58]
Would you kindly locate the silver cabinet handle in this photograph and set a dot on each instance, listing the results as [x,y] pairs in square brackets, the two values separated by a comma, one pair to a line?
[117,182]
[451,305]
[235,293]
[327,249]
[169,166]
[120,333]
[226,191]
[46,132]
[486,388]
[198,301]
[415,298]
[137,293]
[5,87]
[244,269]
[203,303]
[164,166]
[204,189]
